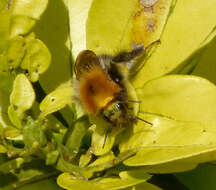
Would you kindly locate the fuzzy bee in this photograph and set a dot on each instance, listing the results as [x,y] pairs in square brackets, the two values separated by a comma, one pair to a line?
[101,85]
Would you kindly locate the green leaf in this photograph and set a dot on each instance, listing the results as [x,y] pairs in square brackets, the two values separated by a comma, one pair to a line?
[66,166]
[23,94]
[78,14]
[57,128]
[48,184]
[52,157]
[31,175]
[169,167]
[189,27]
[2,149]
[125,179]
[21,99]
[181,133]
[8,166]
[12,133]
[6,83]
[206,66]
[75,136]
[32,8]
[3,4]
[33,134]
[15,116]
[112,32]
[4,29]
[181,97]
[56,100]
[25,14]
[144,186]
[15,52]
[85,158]
[183,123]
[37,58]
[105,162]
[188,142]
[203,177]
[21,25]
[103,159]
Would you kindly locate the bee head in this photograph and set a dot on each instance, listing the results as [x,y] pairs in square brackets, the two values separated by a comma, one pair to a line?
[117,113]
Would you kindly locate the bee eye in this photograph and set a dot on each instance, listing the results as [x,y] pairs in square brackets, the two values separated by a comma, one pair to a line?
[119,106]
[117,80]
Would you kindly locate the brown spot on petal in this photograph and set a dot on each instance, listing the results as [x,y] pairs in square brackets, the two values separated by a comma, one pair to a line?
[150,25]
[9,4]
[148,3]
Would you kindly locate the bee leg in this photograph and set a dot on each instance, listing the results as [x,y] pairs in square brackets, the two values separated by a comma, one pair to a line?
[144,120]
[128,56]
[152,44]
[105,140]
[135,118]
[106,135]
[137,50]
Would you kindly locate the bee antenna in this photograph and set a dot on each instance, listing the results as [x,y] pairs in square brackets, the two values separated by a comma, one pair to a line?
[143,120]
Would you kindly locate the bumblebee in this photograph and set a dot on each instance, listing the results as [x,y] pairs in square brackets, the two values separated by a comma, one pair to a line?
[101,85]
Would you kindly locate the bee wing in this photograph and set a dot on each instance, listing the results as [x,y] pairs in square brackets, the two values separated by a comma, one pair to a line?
[84,62]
